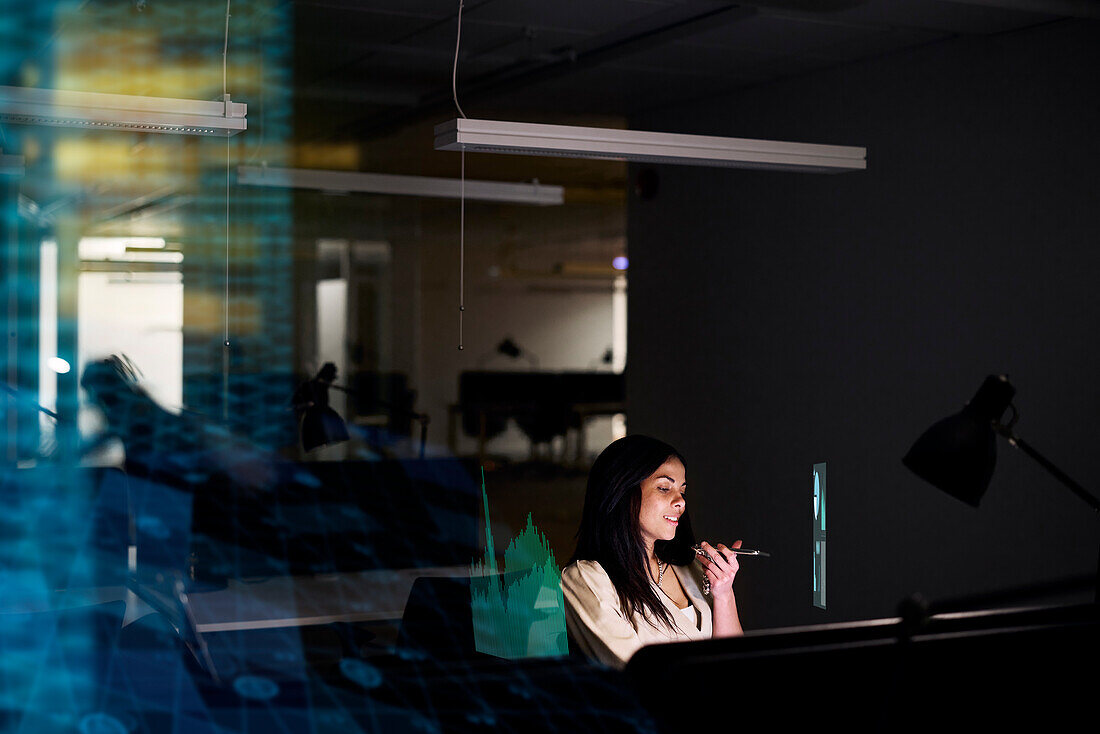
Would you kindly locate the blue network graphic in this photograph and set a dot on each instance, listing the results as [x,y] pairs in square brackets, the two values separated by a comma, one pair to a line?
[176,568]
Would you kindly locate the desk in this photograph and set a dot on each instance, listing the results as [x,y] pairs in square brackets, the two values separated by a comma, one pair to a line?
[543,404]
[300,601]
[285,601]
[987,670]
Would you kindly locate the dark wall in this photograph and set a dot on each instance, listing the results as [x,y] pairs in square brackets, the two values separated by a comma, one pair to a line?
[778,319]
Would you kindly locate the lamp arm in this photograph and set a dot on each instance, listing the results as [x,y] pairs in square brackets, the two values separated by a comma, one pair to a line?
[28,402]
[1058,474]
[424,418]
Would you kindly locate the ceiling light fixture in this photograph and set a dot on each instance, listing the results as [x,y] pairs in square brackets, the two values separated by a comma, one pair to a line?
[384,183]
[494,136]
[99,111]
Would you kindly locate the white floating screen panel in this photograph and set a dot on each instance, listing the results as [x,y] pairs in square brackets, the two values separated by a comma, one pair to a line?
[819,536]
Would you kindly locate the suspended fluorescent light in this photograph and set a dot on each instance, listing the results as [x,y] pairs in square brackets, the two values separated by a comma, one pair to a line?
[127,249]
[99,111]
[493,136]
[384,183]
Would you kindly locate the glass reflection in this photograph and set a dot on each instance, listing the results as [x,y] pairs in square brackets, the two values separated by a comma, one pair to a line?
[172,556]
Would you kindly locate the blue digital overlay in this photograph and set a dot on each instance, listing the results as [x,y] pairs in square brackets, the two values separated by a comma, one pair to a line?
[169,561]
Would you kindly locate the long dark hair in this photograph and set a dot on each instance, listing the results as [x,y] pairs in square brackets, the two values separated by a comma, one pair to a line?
[610,532]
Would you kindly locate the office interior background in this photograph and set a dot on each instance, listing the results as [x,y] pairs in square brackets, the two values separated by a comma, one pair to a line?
[164,517]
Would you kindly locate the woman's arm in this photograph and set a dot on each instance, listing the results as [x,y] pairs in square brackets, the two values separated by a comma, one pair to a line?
[593,617]
[726,621]
[721,569]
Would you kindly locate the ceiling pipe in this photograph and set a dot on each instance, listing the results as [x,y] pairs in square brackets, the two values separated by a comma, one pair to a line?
[628,40]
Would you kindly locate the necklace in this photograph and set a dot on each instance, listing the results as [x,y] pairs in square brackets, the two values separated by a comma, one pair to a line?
[660,572]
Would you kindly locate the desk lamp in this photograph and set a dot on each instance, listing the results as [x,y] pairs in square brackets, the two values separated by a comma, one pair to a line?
[958,454]
[320,425]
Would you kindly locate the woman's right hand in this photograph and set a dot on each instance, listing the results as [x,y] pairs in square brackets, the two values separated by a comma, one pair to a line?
[720,567]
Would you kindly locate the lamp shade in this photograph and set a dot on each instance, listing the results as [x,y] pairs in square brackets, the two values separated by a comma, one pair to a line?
[321,426]
[958,454]
[509,348]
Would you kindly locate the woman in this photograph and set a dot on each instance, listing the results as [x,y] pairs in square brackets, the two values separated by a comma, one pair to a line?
[632,580]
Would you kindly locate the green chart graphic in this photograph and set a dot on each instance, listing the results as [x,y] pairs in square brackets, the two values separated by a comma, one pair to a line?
[518,612]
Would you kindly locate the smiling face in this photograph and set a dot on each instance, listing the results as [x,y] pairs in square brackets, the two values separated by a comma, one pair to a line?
[663,502]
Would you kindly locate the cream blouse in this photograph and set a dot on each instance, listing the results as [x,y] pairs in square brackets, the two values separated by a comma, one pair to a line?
[596,623]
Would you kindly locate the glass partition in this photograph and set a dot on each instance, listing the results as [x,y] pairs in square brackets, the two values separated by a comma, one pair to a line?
[251,480]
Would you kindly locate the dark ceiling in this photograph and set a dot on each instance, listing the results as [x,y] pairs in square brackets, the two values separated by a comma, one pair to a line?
[367,69]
